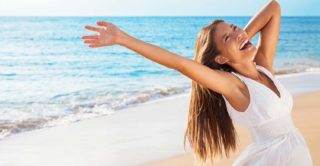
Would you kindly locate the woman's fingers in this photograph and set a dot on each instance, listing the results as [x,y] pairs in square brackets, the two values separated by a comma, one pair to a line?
[102,23]
[91,41]
[91,28]
[90,37]
[95,45]
[103,38]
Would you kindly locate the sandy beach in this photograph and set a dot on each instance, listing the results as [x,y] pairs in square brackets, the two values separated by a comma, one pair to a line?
[305,116]
[150,134]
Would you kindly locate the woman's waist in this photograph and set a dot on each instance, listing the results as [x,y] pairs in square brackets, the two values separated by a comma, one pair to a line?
[272,128]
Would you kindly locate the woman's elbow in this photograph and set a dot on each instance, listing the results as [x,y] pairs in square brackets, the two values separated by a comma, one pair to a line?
[277,8]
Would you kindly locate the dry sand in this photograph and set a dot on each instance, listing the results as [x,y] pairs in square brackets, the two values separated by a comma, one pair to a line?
[306,116]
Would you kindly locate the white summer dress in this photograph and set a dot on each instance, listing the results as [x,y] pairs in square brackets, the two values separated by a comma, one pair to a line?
[276,141]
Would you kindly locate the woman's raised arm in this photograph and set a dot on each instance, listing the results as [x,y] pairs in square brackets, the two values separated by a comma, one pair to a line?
[267,22]
[109,35]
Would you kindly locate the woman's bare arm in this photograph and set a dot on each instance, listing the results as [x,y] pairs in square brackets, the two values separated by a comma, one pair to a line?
[267,22]
[213,79]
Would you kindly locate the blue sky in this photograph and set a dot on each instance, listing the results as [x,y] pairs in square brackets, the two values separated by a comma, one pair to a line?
[152,7]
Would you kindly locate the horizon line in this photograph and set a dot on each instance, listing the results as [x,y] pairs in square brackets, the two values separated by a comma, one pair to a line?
[149,15]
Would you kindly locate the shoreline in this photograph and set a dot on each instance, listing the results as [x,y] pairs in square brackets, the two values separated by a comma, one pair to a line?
[104,140]
[143,134]
[286,78]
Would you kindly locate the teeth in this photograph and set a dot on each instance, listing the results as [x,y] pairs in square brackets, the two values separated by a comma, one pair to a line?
[246,41]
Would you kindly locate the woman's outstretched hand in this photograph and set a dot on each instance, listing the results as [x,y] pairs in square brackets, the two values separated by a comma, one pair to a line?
[108,34]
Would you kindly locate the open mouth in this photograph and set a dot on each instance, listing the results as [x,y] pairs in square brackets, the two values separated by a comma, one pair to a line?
[245,45]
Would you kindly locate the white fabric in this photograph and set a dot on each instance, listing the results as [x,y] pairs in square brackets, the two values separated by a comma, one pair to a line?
[276,141]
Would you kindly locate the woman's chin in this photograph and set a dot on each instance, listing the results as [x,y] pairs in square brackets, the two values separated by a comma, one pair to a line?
[250,54]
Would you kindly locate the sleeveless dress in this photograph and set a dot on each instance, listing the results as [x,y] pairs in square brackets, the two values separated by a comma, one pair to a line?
[275,139]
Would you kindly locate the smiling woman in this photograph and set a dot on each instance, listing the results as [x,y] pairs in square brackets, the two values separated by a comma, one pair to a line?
[232,81]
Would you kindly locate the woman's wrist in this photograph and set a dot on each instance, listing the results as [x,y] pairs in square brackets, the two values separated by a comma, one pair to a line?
[122,38]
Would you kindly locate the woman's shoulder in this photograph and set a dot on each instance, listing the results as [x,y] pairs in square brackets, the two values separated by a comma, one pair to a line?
[238,83]
[239,97]
[233,77]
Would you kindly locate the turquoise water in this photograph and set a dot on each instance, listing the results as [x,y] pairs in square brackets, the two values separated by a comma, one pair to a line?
[48,76]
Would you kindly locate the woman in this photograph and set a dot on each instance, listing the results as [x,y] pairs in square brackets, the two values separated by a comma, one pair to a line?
[232,81]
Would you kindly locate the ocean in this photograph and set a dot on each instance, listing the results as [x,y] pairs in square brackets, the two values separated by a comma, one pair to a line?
[49,77]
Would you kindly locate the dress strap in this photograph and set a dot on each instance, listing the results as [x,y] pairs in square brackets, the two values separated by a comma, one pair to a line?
[238,75]
[264,70]
[258,67]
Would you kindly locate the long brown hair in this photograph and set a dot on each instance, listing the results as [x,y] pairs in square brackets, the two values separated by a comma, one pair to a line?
[210,129]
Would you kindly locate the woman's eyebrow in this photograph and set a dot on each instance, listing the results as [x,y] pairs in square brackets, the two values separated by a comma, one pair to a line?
[231,26]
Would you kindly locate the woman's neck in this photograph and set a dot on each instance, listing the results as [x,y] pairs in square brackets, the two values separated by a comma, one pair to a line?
[248,70]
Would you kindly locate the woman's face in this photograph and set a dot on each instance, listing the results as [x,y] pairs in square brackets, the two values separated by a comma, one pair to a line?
[229,40]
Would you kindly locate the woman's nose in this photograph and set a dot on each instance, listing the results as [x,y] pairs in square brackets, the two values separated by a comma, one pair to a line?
[239,36]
